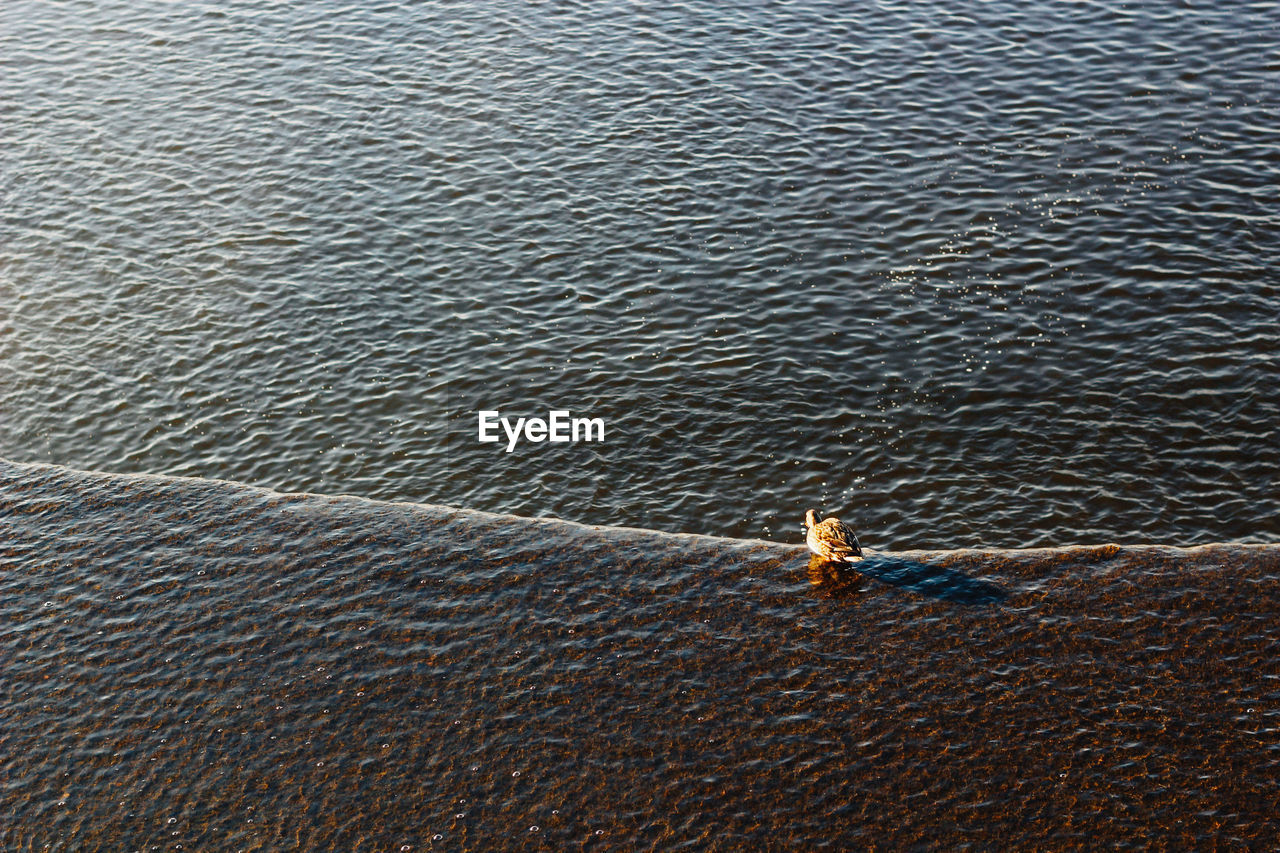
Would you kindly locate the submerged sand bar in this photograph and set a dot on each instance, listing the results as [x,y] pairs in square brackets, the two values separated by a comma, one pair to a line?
[225,667]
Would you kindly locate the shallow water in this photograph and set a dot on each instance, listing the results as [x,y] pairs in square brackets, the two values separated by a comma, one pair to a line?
[1000,275]
[193,665]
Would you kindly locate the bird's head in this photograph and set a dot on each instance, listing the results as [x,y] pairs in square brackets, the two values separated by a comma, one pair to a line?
[810,519]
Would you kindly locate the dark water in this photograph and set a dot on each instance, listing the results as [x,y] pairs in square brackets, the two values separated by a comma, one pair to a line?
[996,274]
[192,665]
[977,276]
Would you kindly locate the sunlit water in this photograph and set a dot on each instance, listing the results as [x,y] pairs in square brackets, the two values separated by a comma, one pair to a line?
[984,275]
[194,665]
[1000,274]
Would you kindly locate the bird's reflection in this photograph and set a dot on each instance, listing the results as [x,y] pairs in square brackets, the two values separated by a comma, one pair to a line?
[842,580]
[835,580]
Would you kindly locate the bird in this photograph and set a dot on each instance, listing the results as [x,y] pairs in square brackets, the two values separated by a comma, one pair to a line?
[832,539]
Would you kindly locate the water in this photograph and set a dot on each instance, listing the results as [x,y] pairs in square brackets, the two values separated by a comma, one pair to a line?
[978,278]
[1001,275]
[198,665]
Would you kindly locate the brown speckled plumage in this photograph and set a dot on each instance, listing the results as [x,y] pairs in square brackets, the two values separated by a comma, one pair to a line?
[831,539]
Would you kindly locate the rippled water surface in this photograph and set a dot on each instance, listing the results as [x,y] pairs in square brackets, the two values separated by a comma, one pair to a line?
[977,276]
[999,273]
[194,665]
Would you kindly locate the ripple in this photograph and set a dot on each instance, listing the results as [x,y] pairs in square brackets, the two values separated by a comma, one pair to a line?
[944,272]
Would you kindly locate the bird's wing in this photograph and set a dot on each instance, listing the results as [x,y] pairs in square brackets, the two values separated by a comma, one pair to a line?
[843,539]
[843,547]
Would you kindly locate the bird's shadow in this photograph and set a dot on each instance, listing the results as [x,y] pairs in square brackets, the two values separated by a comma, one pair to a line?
[842,580]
